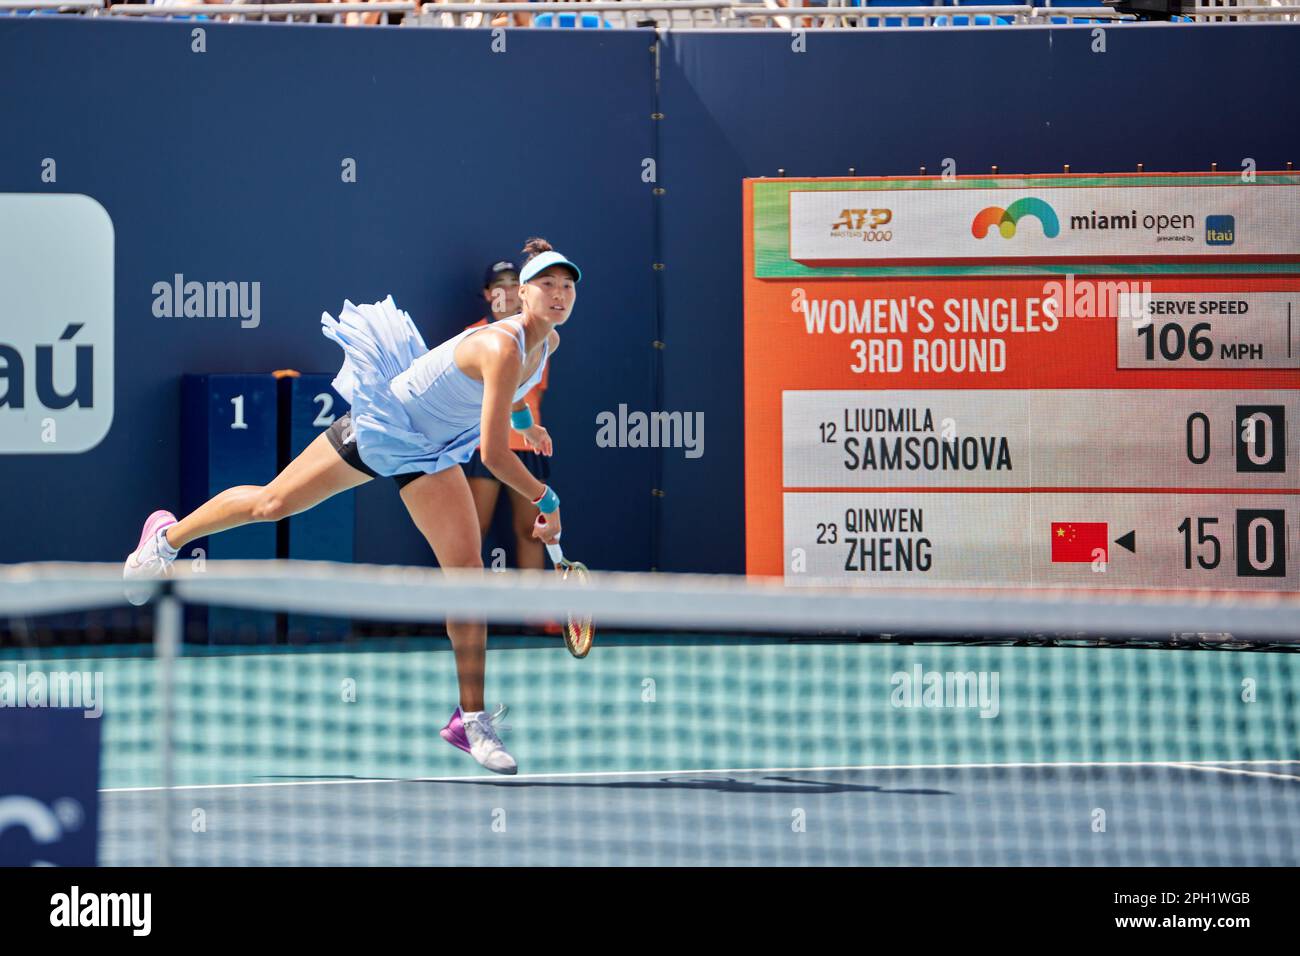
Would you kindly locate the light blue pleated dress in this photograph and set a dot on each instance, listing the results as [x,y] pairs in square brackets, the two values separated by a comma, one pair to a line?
[412,408]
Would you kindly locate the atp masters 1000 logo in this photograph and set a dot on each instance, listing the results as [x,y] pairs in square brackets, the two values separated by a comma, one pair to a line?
[56,327]
[865,224]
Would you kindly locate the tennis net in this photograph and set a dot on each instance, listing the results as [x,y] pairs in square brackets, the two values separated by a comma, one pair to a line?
[289,713]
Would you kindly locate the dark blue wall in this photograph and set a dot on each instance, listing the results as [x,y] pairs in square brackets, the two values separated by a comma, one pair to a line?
[226,166]
[887,103]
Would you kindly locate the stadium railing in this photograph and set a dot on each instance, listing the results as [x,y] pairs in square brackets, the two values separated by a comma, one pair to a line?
[662,14]
[26,7]
[291,12]
[672,14]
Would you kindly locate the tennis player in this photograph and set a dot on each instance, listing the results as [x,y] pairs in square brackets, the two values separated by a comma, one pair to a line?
[417,416]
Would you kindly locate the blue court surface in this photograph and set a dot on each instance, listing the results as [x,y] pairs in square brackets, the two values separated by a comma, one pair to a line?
[1167,815]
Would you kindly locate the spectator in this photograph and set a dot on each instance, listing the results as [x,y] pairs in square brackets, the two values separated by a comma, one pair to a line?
[501,292]
[360,19]
[487,16]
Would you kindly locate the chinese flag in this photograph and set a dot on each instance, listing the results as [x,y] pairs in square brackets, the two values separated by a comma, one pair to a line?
[1074,541]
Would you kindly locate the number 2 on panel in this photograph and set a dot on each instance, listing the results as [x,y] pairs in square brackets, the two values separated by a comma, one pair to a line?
[325,418]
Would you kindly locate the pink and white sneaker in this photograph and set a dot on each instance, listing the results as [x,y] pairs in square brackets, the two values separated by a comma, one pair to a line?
[478,738]
[151,559]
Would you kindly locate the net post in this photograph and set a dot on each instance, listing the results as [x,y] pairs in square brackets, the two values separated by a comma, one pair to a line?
[167,635]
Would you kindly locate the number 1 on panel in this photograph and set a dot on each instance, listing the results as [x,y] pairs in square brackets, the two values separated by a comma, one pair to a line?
[238,402]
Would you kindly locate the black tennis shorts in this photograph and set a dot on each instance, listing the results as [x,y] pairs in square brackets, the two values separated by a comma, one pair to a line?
[344,439]
[538,466]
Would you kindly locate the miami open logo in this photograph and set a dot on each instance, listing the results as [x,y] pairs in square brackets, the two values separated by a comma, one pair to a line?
[1006,219]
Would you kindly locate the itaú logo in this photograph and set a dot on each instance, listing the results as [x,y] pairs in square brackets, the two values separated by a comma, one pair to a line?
[1005,220]
[56,333]
[44,825]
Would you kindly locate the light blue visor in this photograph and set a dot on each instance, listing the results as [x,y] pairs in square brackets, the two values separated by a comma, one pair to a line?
[543,262]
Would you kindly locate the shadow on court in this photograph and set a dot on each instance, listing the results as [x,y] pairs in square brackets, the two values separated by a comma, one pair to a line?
[774,785]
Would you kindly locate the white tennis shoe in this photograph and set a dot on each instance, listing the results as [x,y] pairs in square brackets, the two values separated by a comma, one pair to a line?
[150,560]
[478,738]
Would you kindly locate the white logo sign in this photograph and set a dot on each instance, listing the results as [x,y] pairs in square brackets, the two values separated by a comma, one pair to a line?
[1039,223]
[56,327]
[43,825]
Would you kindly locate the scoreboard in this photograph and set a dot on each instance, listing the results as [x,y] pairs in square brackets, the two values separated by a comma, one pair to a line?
[1024,382]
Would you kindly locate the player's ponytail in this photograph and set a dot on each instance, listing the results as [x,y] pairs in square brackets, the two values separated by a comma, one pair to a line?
[535,247]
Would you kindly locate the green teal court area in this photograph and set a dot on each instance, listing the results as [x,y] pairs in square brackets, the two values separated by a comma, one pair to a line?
[707,749]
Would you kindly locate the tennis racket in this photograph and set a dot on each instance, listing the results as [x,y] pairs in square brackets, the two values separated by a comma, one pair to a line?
[578,632]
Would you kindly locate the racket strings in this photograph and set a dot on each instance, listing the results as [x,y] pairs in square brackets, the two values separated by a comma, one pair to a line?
[578,631]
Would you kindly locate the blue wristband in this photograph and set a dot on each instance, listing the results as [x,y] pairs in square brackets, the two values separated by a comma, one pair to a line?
[522,420]
[549,501]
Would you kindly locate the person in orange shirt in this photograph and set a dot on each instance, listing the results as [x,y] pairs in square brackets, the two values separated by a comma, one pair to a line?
[501,292]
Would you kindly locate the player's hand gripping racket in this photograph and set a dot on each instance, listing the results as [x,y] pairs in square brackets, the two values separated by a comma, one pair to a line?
[578,632]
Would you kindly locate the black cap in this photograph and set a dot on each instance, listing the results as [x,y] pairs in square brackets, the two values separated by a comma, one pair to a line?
[496,269]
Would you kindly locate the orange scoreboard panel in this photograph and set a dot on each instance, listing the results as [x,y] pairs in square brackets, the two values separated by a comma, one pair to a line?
[1080,381]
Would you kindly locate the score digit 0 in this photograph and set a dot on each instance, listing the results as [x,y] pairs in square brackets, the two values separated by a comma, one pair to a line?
[1257,442]
[1260,542]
